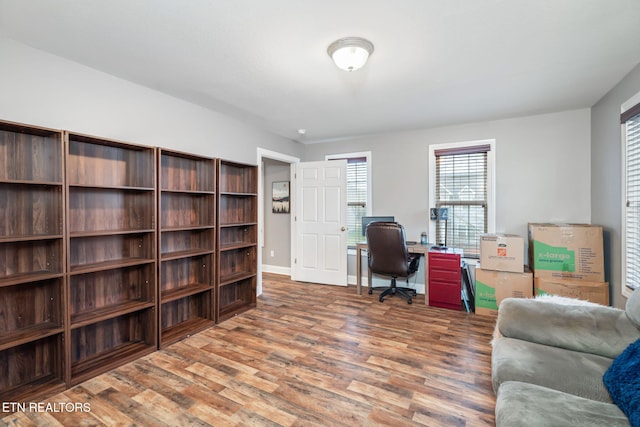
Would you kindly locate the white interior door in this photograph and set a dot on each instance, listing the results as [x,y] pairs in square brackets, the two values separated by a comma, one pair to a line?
[320,222]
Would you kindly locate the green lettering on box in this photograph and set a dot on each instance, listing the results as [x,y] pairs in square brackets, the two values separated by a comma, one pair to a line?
[485,296]
[553,258]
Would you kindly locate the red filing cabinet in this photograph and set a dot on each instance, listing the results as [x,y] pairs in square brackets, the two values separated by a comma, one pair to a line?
[445,278]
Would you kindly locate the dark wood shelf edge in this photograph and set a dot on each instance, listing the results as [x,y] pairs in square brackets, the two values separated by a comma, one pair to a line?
[183,292]
[27,335]
[187,228]
[30,182]
[171,256]
[28,278]
[109,265]
[237,224]
[105,233]
[193,192]
[111,187]
[239,245]
[80,320]
[30,238]
[105,361]
[233,309]
[237,194]
[230,280]
[192,326]
[35,390]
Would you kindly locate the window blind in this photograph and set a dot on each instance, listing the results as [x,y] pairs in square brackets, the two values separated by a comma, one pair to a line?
[631,122]
[356,198]
[357,186]
[461,186]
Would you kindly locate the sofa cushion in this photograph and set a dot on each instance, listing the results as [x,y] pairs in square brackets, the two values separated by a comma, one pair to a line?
[623,381]
[633,307]
[528,405]
[569,371]
[601,330]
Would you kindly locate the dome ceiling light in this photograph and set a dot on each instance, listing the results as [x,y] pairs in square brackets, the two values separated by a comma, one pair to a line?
[350,53]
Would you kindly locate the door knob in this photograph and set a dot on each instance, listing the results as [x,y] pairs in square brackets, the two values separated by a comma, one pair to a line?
[343,228]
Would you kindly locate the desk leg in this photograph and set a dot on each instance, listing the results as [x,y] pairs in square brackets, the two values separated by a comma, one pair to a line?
[426,280]
[358,272]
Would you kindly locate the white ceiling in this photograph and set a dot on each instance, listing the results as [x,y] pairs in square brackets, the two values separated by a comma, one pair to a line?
[436,62]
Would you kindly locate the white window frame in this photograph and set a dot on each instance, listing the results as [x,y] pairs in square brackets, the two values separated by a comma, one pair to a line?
[491,183]
[624,289]
[368,156]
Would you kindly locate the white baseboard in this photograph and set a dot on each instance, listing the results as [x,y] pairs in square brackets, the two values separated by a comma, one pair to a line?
[276,269]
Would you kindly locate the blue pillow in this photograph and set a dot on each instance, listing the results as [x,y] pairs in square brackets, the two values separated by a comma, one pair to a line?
[623,382]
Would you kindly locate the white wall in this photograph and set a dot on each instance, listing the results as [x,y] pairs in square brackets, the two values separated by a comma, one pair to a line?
[543,165]
[606,182]
[44,90]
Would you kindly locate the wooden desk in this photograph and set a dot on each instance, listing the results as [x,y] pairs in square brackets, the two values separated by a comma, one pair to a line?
[414,249]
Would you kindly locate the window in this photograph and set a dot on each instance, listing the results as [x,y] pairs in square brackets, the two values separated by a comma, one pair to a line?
[358,192]
[462,181]
[630,120]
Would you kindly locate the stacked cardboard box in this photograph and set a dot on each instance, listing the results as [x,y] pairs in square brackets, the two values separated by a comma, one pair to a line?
[501,273]
[568,260]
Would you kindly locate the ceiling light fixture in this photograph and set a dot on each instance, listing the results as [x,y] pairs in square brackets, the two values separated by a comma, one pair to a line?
[350,53]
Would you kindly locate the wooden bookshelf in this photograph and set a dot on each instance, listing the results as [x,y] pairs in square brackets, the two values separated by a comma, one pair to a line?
[187,244]
[109,250]
[32,259]
[112,262]
[237,238]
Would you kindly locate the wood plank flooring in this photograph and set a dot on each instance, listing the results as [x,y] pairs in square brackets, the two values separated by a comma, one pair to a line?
[308,355]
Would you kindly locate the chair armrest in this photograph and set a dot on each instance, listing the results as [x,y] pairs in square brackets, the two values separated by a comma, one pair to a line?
[600,330]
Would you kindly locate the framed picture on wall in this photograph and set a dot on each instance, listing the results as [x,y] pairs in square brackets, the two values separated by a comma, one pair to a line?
[280,197]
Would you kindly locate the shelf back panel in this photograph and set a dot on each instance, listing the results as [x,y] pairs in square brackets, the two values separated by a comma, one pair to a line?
[238,209]
[95,341]
[110,165]
[186,210]
[235,178]
[95,291]
[237,261]
[30,305]
[94,210]
[239,295]
[179,273]
[96,249]
[34,256]
[181,310]
[27,210]
[180,173]
[30,157]
[241,235]
[31,363]
[178,241]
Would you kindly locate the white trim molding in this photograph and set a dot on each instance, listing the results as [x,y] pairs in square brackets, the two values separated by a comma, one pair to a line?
[261,154]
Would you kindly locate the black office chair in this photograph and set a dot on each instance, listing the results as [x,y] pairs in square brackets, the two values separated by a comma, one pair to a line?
[388,256]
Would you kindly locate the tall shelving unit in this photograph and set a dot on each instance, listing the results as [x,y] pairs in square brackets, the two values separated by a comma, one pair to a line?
[186,244]
[112,269]
[237,238]
[32,280]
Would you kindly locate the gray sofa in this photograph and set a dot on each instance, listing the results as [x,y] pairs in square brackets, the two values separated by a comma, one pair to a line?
[548,362]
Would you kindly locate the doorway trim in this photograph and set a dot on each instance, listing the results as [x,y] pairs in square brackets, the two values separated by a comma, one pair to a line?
[261,155]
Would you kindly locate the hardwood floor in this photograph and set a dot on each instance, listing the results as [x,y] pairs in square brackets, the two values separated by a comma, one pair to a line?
[308,355]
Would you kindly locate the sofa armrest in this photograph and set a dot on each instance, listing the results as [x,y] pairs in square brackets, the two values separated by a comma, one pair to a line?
[600,330]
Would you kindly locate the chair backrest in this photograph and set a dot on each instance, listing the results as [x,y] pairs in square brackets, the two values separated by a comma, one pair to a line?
[388,253]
